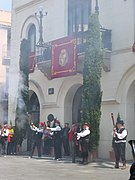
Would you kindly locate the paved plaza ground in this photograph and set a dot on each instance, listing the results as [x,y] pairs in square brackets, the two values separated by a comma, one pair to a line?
[23,168]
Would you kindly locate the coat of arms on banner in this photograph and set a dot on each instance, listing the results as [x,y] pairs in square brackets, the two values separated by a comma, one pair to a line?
[63,57]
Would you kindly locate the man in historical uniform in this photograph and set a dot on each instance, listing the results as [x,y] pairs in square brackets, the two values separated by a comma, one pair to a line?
[37,138]
[56,132]
[120,135]
[83,137]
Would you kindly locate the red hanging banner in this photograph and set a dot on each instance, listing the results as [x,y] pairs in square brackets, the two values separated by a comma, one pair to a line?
[31,62]
[63,57]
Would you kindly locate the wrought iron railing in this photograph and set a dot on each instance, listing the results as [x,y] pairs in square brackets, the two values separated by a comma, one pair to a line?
[81,44]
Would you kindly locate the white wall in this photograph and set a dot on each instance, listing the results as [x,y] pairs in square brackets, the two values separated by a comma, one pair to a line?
[119,17]
[115,15]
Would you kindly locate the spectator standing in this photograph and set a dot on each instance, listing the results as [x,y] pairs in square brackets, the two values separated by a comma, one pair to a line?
[65,139]
[10,139]
[73,141]
[47,140]
[1,140]
[4,137]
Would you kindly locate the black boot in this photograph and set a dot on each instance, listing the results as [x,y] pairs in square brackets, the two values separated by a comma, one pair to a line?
[124,165]
[116,165]
[85,161]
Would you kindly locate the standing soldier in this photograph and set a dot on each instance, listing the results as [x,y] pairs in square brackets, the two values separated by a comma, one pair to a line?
[120,135]
[57,136]
[83,137]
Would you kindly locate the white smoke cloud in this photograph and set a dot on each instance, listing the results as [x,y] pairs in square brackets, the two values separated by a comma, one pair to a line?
[22,115]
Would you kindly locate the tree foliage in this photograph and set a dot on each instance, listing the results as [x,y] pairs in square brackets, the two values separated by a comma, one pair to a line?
[24,71]
[91,98]
[23,87]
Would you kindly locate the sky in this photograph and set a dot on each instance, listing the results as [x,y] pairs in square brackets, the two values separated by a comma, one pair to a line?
[5,5]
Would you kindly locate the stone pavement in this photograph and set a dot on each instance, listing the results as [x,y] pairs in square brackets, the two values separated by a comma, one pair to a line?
[23,168]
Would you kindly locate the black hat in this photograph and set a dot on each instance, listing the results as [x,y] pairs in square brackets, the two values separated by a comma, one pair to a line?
[50,117]
[120,122]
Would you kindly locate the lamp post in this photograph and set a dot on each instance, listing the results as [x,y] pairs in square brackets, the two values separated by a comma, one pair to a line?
[97,7]
[40,46]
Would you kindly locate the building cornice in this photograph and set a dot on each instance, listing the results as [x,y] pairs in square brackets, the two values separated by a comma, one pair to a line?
[50,105]
[121,51]
[4,26]
[109,101]
[27,5]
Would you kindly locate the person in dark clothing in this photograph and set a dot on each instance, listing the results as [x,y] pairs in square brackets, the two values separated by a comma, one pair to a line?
[37,138]
[73,142]
[132,172]
[57,137]
[48,124]
[132,168]
[65,139]
[78,145]
[47,139]
[10,139]
[120,135]
[83,137]
[4,137]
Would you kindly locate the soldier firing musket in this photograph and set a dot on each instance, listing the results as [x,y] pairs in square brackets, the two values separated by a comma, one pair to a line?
[37,138]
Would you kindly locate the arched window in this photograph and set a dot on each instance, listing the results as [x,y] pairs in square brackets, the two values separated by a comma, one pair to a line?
[34,109]
[32,38]
[78,15]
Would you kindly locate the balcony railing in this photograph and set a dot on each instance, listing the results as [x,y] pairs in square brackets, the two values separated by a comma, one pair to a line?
[81,44]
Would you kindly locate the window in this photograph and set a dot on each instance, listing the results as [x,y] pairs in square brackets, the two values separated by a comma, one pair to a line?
[32,37]
[8,42]
[78,14]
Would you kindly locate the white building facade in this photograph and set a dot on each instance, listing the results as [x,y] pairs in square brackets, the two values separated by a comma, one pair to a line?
[5,43]
[62,96]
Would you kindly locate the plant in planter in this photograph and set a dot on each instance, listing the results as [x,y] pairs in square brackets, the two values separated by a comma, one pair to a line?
[92,95]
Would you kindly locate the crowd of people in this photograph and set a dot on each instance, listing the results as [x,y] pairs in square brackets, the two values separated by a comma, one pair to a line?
[7,139]
[50,138]
[65,141]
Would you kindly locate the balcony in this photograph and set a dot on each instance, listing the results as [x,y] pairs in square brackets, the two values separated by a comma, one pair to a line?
[44,64]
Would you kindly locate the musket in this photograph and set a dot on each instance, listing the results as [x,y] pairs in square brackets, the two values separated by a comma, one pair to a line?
[114,125]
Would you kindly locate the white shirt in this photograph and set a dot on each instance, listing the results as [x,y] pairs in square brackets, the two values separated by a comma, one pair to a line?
[36,129]
[83,133]
[122,135]
[57,128]
[5,132]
